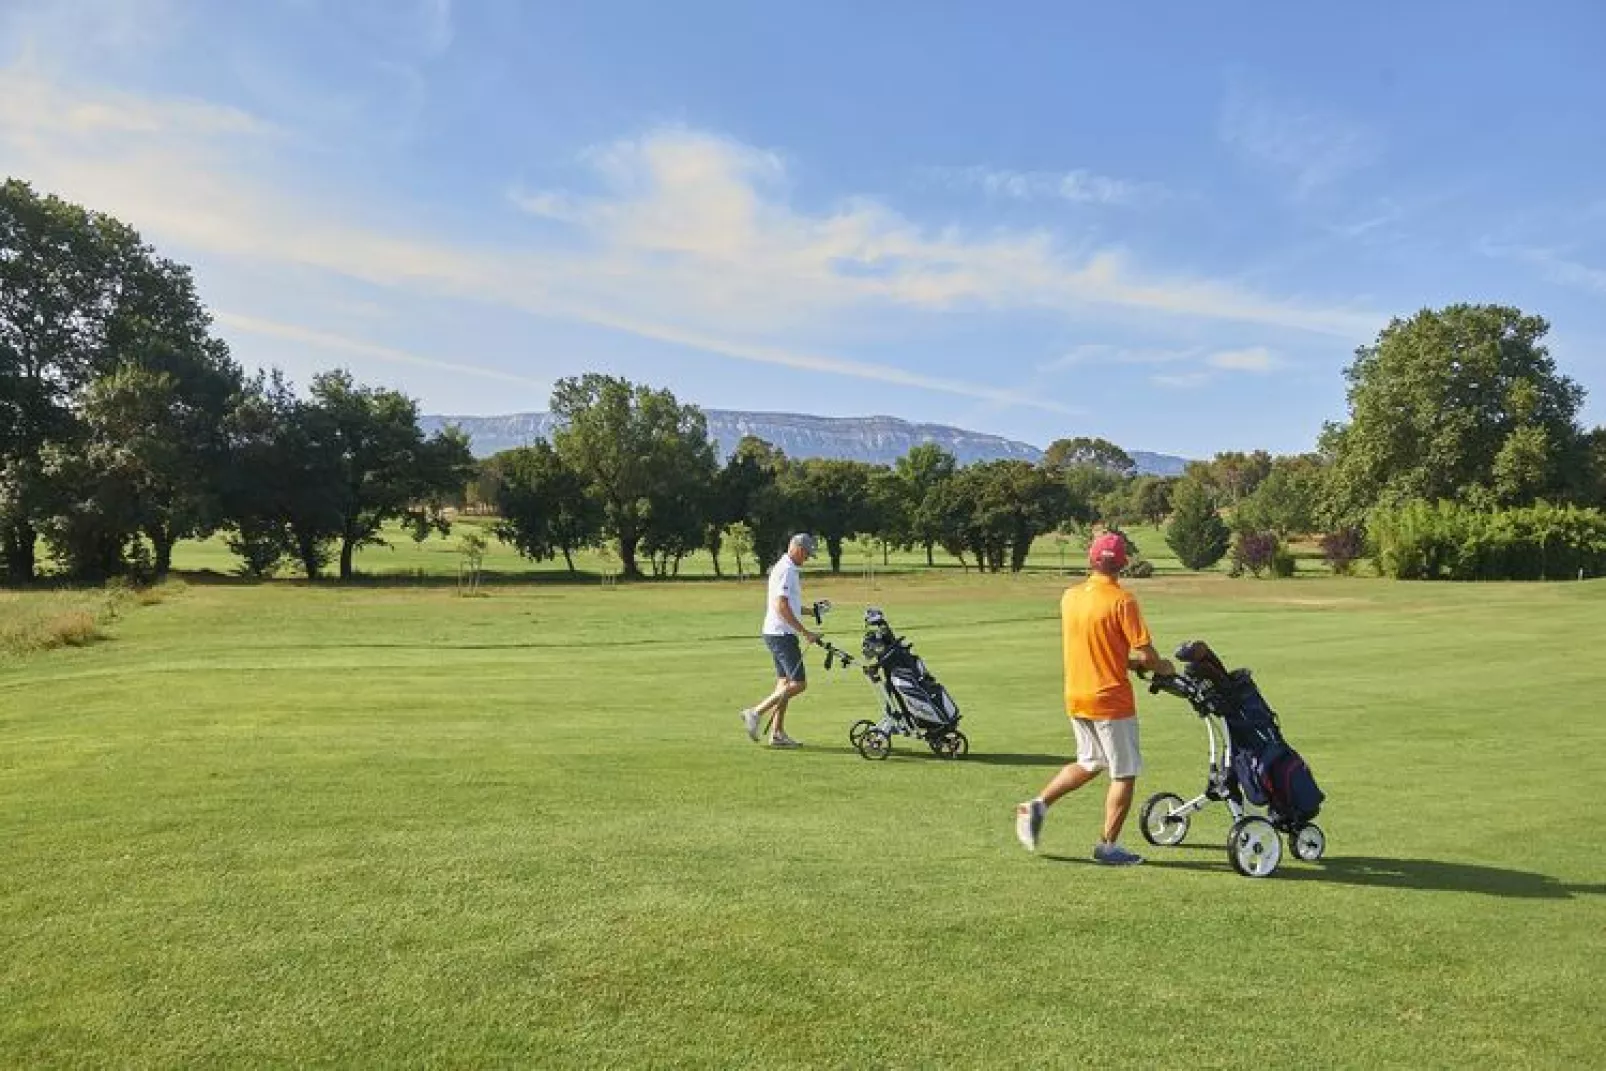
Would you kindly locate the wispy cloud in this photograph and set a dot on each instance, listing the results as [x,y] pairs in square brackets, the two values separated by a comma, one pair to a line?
[1189,367]
[1099,353]
[1254,359]
[681,236]
[1312,149]
[1078,186]
[1552,264]
[233,322]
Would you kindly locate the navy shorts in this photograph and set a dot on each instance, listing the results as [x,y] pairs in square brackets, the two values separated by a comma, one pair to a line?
[788,655]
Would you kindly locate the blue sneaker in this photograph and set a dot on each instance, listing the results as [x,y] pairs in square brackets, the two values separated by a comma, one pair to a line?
[1029,823]
[1115,855]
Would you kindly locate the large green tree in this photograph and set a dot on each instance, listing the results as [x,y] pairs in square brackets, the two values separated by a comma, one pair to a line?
[1461,402]
[544,505]
[1085,450]
[635,447]
[923,469]
[384,468]
[57,273]
[832,499]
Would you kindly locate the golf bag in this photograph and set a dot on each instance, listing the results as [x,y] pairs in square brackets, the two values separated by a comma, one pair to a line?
[1264,766]
[914,702]
[1251,765]
[1270,772]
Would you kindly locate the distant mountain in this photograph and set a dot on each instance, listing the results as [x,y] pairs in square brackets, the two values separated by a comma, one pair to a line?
[877,439]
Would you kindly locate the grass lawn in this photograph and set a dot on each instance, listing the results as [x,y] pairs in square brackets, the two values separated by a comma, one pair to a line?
[385,825]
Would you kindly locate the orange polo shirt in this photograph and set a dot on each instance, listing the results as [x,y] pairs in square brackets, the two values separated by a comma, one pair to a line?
[1099,624]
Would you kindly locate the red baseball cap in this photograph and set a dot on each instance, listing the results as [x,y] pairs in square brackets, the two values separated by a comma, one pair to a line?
[1108,549]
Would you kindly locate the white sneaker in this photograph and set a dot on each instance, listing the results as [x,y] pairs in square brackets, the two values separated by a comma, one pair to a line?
[750,719]
[781,740]
[1029,823]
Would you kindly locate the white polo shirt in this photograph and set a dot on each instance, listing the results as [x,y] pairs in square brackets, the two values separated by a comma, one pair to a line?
[785,579]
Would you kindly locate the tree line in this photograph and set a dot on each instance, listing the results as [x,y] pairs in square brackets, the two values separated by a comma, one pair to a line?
[125,426]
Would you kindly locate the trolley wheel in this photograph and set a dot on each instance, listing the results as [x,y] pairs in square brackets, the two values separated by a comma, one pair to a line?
[1159,825]
[856,733]
[952,745]
[1253,847]
[1309,843]
[875,744]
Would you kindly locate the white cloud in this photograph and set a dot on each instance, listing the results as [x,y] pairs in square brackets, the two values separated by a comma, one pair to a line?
[324,340]
[1256,359]
[684,237]
[1079,186]
[1312,149]
[1097,353]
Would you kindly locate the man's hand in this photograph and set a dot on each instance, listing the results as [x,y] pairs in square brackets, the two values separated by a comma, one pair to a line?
[811,637]
[1165,669]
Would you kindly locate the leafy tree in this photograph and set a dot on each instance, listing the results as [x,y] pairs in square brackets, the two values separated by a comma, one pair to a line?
[1087,487]
[149,463]
[1287,501]
[739,537]
[1100,453]
[281,491]
[638,450]
[1443,398]
[1151,498]
[53,272]
[751,469]
[1231,476]
[892,510]
[383,467]
[544,505]
[833,497]
[1197,534]
[923,469]
[1010,503]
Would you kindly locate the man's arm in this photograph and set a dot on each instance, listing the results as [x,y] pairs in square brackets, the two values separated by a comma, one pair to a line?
[783,607]
[1148,659]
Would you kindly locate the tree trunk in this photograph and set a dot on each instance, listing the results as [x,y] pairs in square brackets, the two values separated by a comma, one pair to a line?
[715,555]
[347,545]
[306,552]
[162,543]
[568,559]
[833,547]
[886,554]
[19,553]
[930,563]
[627,555]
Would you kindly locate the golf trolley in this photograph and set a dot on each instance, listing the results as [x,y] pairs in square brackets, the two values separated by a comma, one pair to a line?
[913,702]
[1251,765]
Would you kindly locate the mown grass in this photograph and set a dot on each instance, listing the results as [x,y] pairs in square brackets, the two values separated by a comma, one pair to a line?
[281,824]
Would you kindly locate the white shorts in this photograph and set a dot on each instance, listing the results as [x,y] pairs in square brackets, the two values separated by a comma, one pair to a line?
[1108,744]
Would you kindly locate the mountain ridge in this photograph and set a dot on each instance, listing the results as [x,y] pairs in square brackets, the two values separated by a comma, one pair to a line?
[878,439]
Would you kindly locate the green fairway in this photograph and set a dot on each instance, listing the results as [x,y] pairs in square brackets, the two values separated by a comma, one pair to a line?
[386,825]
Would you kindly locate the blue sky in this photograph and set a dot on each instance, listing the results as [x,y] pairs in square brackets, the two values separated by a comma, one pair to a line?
[1168,224]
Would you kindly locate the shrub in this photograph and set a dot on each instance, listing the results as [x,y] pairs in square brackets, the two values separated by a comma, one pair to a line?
[1254,551]
[1340,549]
[1449,541]
[1282,563]
[1197,533]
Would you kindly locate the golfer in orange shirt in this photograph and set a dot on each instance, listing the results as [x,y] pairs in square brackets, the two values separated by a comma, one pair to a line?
[1104,636]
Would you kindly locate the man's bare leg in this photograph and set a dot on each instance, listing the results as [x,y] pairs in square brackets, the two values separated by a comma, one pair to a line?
[1117,802]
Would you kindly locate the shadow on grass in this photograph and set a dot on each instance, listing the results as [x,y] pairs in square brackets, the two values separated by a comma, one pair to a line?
[979,758]
[1428,875]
